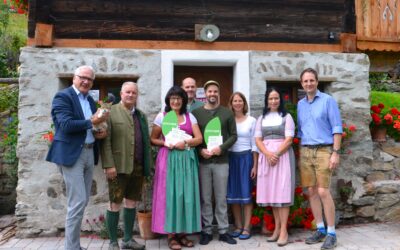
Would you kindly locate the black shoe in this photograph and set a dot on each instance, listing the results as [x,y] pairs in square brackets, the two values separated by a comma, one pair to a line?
[205,238]
[315,238]
[330,242]
[227,238]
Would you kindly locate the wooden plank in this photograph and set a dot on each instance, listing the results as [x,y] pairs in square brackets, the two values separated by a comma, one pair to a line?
[240,46]
[241,20]
[359,18]
[228,32]
[44,34]
[375,18]
[379,46]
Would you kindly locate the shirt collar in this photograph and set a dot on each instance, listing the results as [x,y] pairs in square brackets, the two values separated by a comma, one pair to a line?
[132,110]
[79,93]
[317,94]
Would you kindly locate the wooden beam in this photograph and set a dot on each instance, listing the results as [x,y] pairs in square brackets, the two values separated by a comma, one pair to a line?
[379,46]
[44,34]
[348,42]
[139,44]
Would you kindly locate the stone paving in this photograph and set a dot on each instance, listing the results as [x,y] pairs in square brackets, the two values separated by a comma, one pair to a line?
[372,236]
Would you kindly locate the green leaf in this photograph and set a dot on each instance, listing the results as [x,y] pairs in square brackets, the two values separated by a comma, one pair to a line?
[170,121]
[213,128]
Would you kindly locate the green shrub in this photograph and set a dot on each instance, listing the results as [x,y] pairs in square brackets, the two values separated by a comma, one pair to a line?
[8,141]
[13,28]
[377,81]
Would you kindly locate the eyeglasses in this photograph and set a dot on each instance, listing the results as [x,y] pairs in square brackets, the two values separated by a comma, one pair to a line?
[84,78]
[177,99]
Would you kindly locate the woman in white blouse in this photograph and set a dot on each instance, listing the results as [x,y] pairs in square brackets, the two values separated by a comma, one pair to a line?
[242,167]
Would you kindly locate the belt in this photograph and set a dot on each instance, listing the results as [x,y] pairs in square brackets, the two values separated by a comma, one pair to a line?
[88,145]
[317,146]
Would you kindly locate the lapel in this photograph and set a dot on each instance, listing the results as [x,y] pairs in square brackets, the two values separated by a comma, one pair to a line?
[76,102]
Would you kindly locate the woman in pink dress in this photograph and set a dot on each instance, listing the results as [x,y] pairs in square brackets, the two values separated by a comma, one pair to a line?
[276,167]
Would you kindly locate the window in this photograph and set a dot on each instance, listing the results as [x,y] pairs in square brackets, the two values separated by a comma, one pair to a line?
[292,91]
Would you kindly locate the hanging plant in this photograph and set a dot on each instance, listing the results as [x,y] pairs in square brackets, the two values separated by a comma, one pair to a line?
[20,6]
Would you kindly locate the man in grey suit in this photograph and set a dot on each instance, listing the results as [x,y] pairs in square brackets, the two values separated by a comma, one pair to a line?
[75,148]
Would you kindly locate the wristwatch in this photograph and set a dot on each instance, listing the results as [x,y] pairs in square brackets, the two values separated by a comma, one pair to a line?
[335,150]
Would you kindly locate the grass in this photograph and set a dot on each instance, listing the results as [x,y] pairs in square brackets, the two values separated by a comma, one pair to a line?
[18,25]
[390,100]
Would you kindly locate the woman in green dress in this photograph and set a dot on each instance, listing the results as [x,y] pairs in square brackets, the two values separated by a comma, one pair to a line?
[176,196]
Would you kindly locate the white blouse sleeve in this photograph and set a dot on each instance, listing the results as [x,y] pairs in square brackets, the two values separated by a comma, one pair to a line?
[289,126]
[257,130]
[193,119]
[253,122]
[159,119]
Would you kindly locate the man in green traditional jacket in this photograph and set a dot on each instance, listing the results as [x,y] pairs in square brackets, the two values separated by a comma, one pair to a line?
[126,156]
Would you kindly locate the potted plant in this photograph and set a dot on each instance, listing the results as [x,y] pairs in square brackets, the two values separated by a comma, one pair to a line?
[144,216]
[384,121]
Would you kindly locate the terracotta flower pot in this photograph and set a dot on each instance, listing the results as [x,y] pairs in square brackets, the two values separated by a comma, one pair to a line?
[378,134]
[144,222]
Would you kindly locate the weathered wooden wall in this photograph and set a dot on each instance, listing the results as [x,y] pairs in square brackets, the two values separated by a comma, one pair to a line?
[308,21]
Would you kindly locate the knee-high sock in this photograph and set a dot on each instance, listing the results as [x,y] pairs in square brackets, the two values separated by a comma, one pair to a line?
[112,225]
[129,220]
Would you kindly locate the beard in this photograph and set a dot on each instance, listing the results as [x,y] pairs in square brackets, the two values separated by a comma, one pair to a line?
[212,100]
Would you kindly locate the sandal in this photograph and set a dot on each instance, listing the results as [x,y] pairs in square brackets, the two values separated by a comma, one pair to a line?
[184,241]
[245,236]
[236,233]
[173,243]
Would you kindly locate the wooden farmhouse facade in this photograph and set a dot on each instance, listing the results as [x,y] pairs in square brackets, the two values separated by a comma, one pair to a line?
[246,45]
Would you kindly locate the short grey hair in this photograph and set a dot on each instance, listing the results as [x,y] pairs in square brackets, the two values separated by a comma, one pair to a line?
[78,70]
[129,83]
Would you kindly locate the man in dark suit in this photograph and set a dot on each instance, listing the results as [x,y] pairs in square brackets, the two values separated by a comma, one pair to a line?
[74,148]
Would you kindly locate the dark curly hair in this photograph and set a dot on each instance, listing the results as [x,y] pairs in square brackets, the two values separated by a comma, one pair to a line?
[176,91]
[281,109]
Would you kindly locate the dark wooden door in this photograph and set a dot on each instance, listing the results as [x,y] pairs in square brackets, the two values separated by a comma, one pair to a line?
[202,74]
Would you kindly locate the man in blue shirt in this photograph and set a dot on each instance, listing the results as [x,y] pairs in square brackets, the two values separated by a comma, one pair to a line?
[75,147]
[320,131]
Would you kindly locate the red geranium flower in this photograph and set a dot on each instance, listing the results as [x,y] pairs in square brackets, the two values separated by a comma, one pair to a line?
[296,140]
[376,119]
[298,190]
[395,111]
[286,97]
[388,118]
[254,220]
[352,128]
[376,109]
[381,106]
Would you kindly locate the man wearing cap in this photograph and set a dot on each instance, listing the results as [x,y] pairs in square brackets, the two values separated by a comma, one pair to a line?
[189,85]
[214,165]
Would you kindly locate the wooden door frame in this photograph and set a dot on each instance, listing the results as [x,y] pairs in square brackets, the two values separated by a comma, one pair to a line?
[239,60]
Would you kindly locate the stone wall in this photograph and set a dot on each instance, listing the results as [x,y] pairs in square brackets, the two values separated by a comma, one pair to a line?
[378,196]
[41,202]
